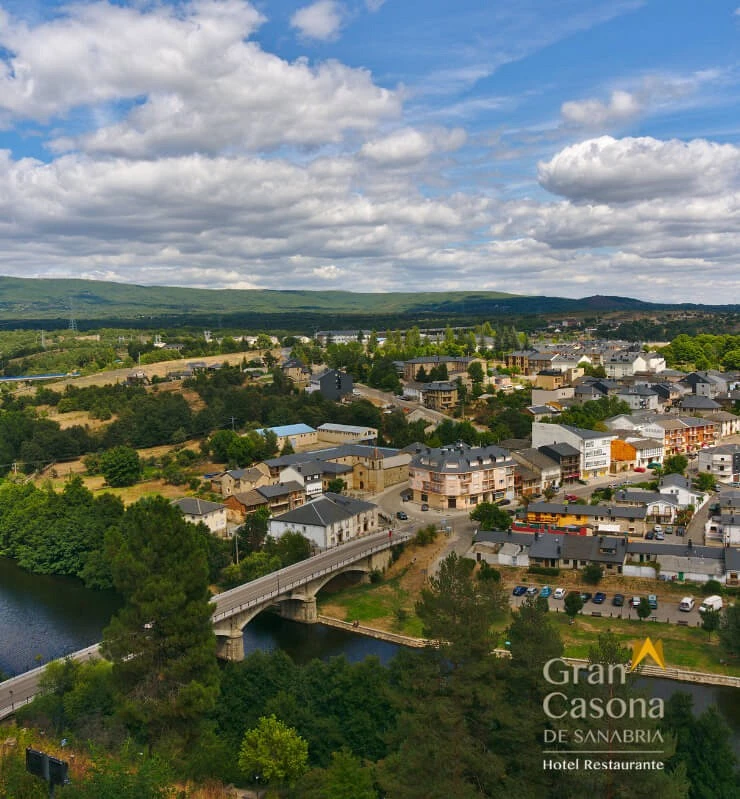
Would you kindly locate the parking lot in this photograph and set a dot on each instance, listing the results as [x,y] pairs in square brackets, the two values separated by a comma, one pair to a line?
[667,610]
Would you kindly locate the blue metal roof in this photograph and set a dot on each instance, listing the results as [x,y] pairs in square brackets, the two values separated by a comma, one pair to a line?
[288,430]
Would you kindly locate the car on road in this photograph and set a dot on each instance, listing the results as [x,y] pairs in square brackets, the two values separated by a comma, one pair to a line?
[504,502]
[639,468]
[402,515]
[424,506]
[559,593]
[532,590]
[520,590]
[654,465]
[635,601]
[571,497]
[618,600]
[599,597]
[546,591]
[585,596]
[653,601]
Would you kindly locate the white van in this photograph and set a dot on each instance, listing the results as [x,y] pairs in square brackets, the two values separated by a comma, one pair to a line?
[711,603]
[687,604]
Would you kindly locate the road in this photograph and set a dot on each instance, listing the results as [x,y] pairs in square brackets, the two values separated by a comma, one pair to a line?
[20,690]
[387,398]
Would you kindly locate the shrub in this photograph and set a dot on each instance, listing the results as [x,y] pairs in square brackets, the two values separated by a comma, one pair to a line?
[547,571]
[592,573]
[487,572]
[711,587]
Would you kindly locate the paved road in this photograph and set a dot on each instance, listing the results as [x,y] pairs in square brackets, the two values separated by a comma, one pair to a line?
[19,690]
[391,399]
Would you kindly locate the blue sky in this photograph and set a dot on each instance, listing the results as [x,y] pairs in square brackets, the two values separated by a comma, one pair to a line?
[568,148]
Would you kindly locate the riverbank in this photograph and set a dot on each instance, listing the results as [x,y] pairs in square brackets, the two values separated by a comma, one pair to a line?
[388,608]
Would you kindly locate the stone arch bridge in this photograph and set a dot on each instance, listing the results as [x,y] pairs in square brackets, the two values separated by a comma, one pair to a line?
[293,590]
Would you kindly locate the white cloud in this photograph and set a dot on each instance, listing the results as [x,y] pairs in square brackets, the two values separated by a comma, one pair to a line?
[624,170]
[329,272]
[321,20]
[622,106]
[410,146]
[650,94]
[374,5]
[204,87]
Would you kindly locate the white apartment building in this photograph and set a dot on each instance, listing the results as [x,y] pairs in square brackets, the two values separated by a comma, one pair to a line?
[593,445]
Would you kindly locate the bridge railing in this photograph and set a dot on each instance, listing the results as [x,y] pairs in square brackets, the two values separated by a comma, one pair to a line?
[277,589]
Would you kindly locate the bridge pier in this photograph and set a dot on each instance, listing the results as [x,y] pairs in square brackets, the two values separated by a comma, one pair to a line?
[302,609]
[231,647]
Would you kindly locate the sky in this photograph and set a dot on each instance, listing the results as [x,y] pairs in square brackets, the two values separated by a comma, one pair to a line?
[566,148]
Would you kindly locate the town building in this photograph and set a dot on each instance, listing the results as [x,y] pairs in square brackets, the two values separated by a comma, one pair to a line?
[201,511]
[328,520]
[439,396]
[722,462]
[299,436]
[346,433]
[593,446]
[460,476]
[332,384]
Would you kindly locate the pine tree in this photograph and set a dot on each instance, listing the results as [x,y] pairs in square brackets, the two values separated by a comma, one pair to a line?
[161,642]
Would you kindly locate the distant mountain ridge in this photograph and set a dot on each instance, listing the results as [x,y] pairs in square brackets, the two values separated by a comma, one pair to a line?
[26,299]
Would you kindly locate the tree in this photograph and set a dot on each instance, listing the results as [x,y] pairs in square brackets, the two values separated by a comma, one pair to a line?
[710,622]
[704,481]
[729,630]
[491,517]
[458,611]
[643,609]
[592,573]
[161,642]
[675,464]
[336,485]
[121,466]
[345,778]
[253,532]
[273,753]
[475,372]
[573,604]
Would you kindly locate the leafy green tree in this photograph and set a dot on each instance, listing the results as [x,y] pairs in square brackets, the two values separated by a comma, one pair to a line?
[643,609]
[121,466]
[253,532]
[675,464]
[345,778]
[729,630]
[710,621]
[273,753]
[161,642]
[491,517]
[117,778]
[336,485]
[475,371]
[704,481]
[292,547]
[592,573]
[573,604]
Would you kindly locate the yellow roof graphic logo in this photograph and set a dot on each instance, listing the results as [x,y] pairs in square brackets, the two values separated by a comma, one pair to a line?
[641,650]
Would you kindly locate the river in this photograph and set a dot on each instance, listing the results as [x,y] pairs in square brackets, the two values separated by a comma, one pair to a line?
[43,617]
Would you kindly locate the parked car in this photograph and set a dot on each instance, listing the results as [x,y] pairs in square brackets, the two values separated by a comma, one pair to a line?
[546,591]
[659,536]
[639,468]
[713,602]
[504,502]
[585,596]
[424,506]
[599,598]
[559,593]
[618,600]
[532,590]
[653,601]
[680,530]
[583,482]
[520,590]
[402,515]
[658,528]
[635,601]
[654,465]
[650,535]
[669,529]
[686,604]
[571,497]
